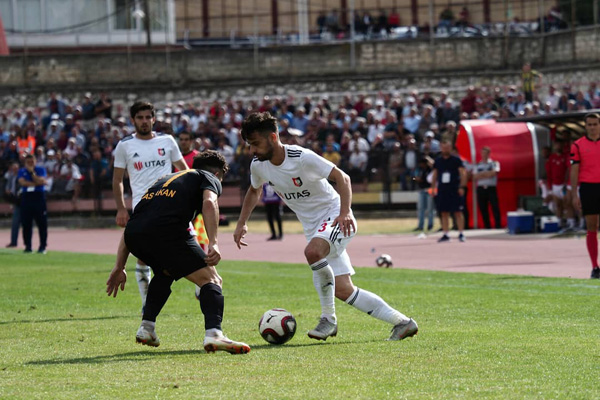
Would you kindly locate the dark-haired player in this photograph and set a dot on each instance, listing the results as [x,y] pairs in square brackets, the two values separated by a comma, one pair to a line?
[146,156]
[158,233]
[585,172]
[300,177]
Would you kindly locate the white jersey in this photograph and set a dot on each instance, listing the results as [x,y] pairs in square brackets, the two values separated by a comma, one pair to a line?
[146,161]
[301,182]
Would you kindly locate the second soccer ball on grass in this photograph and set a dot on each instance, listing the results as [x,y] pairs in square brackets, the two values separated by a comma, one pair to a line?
[384,260]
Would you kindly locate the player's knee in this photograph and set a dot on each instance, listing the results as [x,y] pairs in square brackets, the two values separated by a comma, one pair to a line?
[313,254]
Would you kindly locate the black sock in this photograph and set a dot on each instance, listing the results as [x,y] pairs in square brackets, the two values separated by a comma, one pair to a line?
[212,303]
[159,291]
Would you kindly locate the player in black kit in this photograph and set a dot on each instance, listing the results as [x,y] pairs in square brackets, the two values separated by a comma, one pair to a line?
[157,233]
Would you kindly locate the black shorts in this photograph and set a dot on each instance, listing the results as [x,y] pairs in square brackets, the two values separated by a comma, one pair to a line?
[449,201]
[589,193]
[177,257]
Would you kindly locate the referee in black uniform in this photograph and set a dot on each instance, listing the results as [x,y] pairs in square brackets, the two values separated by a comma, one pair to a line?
[157,233]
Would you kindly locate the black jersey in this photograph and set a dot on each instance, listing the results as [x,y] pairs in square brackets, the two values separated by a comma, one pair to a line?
[172,202]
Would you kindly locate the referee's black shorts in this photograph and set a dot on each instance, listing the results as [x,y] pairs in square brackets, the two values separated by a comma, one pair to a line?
[177,256]
[589,193]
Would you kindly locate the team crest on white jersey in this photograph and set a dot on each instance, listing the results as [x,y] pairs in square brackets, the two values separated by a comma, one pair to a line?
[297,181]
[161,152]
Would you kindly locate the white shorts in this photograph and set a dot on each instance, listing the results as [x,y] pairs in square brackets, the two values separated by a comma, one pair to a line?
[557,191]
[338,257]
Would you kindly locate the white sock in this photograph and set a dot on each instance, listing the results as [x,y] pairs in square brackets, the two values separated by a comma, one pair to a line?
[142,275]
[324,282]
[148,325]
[571,222]
[375,306]
[213,332]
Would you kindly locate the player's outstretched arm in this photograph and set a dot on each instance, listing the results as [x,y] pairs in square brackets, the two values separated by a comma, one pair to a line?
[250,202]
[117,186]
[210,214]
[344,188]
[118,276]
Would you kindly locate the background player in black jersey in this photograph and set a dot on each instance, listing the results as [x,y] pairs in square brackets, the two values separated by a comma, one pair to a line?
[157,233]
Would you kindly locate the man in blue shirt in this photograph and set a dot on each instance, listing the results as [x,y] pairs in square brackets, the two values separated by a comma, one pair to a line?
[412,121]
[449,179]
[32,180]
[299,121]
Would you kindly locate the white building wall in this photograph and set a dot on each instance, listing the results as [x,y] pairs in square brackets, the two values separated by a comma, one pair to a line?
[72,23]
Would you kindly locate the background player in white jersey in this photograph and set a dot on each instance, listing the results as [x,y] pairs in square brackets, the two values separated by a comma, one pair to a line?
[146,156]
[300,177]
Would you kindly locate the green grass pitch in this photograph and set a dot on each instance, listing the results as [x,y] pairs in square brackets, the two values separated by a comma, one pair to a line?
[481,336]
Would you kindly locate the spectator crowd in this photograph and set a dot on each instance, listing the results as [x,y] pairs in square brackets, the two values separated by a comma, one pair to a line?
[380,23]
[74,139]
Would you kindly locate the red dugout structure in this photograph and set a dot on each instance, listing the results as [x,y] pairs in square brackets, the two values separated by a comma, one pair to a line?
[516,145]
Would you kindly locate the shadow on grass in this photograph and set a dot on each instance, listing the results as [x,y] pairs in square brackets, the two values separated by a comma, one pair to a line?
[28,321]
[131,356]
[311,344]
[145,354]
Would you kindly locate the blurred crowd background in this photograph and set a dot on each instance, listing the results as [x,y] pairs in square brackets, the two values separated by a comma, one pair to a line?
[372,137]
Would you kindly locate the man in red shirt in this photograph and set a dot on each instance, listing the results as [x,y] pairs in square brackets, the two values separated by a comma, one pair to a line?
[467,104]
[585,170]
[556,173]
[186,144]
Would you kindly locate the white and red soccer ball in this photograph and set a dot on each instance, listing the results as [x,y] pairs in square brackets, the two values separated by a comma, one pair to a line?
[277,326]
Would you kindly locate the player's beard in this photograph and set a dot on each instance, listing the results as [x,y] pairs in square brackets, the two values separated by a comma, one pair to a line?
[267,155]
[143,129]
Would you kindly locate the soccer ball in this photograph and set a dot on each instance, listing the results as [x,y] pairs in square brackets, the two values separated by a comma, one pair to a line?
[277,326]
[384,260]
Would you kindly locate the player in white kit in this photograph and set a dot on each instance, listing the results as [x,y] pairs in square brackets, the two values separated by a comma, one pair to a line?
[300,177]
[147,156]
